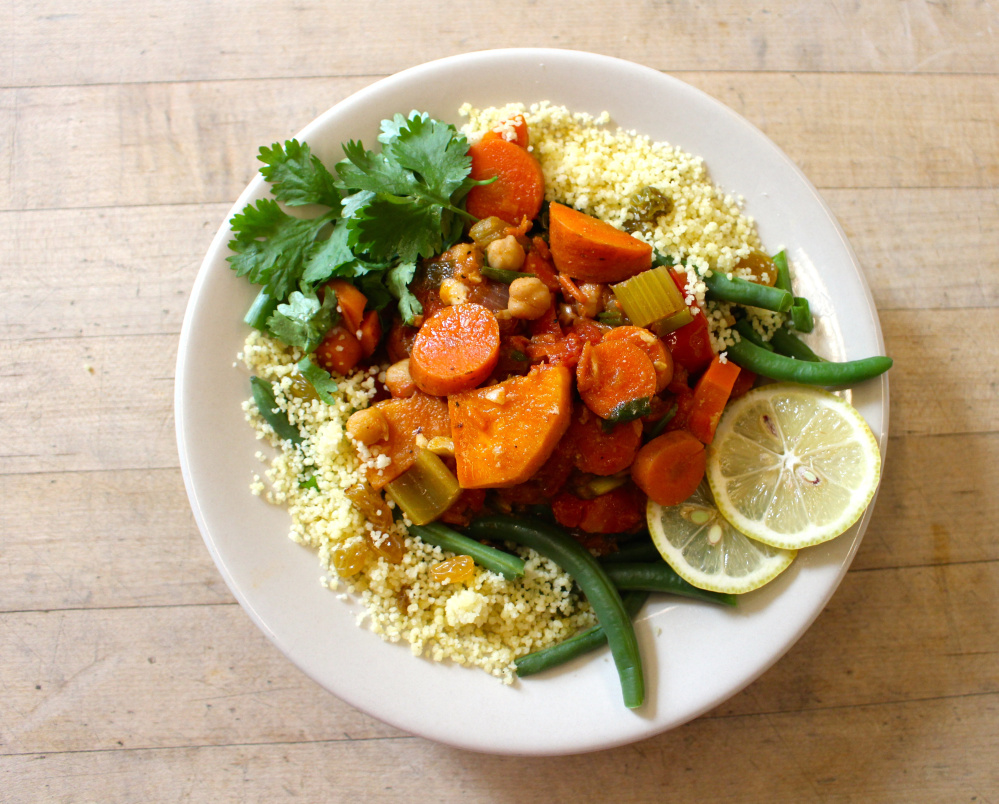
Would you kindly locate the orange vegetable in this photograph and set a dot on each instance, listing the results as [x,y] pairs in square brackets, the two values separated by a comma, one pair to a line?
[503,434]
[519,188]
[371,332]
[350,301]
[418,415]
[539,263]
[455,350]
[586,248]
[711,394]
[670,467]
[516,125]
[661,359]
[340,350]
[598,452]
[613,373]
[618,511]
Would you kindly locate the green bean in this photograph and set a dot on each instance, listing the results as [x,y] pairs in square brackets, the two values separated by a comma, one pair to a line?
[747,332]
[261,309]
[639,551]
[489,557]
[801,315]
[783,272]
[585,641]
[749,294]
[658,576]
[780,367]
[786,343]
[263,395]
[577,561]
[502,274]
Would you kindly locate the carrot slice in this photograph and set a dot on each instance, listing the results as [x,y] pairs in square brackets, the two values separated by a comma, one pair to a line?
[339,351]
[503,434]
[711,394]
[514,129]
[598,452]
[408,419]
[519,188]
[611,374]
[586,248]
[661,359]
[455,350]
[670,467]
[371,332]
[351,303]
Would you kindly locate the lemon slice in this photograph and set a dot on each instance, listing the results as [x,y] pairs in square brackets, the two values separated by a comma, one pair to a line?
[705,550]
[792,465]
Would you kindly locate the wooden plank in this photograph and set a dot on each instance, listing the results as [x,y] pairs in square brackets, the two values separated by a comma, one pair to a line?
[112,405]
[102,539]
[52,42]
[925,751]
[130,270]
[195,142]
[62,555]
[101,679]
[96,679]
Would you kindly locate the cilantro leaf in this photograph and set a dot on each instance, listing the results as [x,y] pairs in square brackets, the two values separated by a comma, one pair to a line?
[434,151]
[405,200]
[397,280]
[303,321]
[271,247]
[329,256]
[320,379]
[297,177]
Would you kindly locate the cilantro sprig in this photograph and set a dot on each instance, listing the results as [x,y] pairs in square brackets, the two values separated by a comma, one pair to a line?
[385,211]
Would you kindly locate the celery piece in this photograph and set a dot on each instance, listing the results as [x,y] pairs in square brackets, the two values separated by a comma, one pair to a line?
[650,296]
[426,490]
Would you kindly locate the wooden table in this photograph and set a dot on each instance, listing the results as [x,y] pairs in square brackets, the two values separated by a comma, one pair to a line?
[127,670]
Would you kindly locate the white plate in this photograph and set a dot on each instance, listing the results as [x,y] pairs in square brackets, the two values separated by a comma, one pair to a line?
[695,655]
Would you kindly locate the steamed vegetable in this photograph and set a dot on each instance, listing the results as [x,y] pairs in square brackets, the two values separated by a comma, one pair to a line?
[591,250]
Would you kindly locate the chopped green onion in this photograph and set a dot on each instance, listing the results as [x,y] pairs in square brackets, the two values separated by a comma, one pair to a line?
[611,318]
[501,274]
[626,412]
[660,425]
[261,309]
[783,272]
[425,490]
[664,326]
[801,315]
[650,296]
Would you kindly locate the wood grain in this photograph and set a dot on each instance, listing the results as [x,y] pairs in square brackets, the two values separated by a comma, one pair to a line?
[128,672]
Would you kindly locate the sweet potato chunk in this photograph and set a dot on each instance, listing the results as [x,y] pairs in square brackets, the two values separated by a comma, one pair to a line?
[418,415]
[504,433]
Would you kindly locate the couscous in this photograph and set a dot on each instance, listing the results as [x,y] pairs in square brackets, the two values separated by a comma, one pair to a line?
[331,477]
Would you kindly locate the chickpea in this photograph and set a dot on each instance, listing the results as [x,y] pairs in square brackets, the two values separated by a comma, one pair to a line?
[369,426]
[505,254]
[399,381]
[529,298]
[454,291]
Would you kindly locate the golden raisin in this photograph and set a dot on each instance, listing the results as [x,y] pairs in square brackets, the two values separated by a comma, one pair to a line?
[453,570]
[301,388]
[350,557]
[387,545]
[761,267]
